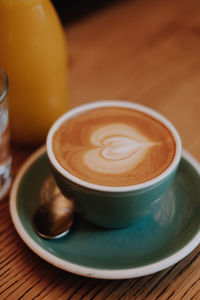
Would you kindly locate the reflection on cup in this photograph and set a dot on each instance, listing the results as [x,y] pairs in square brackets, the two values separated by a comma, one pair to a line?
[5,154]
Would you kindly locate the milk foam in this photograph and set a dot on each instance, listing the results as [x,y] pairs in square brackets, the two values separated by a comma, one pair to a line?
[114,146]
[117,148]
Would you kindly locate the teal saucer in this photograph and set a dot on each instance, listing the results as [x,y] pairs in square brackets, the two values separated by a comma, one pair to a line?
[153,243]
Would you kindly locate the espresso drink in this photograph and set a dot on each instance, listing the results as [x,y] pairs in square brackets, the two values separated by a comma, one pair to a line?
[114,146]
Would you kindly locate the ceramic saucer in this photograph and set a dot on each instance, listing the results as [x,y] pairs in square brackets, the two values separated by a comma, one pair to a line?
[153,243]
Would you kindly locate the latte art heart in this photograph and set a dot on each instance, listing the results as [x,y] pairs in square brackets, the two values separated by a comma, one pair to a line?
[119,147]
[113,146]
[116,149]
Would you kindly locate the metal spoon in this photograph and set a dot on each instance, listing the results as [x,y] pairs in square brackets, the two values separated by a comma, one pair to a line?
[54,216]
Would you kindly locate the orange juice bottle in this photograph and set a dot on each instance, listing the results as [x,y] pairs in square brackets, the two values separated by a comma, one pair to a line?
[33,53]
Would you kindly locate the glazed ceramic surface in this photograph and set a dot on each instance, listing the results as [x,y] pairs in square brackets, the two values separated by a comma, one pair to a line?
[151,244]
[113,206]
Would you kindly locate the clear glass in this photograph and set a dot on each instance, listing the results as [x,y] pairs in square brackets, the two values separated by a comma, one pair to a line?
[5,154]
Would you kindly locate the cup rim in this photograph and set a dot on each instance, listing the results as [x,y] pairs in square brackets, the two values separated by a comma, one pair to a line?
[109,103]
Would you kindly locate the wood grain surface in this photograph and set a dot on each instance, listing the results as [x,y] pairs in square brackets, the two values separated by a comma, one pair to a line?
[146,51]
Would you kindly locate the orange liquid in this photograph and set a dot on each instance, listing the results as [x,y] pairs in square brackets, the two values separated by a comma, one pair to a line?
[33,53]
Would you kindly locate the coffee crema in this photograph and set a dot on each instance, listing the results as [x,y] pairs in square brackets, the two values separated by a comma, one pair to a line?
[114,146]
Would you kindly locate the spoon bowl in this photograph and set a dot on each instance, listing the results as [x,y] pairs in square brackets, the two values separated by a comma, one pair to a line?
[54,216]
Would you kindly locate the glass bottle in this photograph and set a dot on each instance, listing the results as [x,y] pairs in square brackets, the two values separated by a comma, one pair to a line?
[33,53]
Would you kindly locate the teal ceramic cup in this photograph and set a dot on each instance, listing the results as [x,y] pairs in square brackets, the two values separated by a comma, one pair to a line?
[106,206]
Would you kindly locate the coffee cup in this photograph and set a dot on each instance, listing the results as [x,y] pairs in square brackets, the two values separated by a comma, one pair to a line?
[114,160]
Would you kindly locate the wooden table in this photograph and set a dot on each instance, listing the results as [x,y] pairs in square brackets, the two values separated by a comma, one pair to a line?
[146,51]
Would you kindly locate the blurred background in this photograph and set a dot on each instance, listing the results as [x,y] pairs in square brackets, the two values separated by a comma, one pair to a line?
[143,51]
[72,11]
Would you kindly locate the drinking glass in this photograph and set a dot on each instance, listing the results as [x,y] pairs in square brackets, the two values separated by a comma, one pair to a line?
[5,154]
